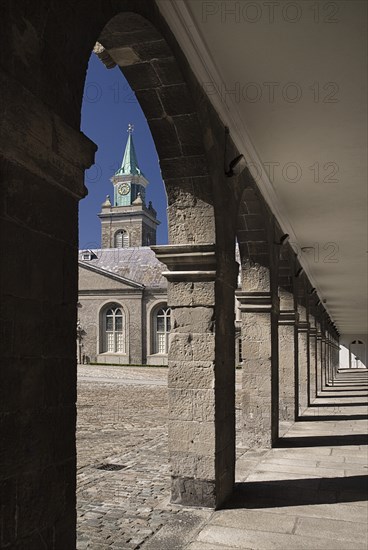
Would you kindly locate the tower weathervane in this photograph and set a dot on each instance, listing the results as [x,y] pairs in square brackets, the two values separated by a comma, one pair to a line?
[130,129]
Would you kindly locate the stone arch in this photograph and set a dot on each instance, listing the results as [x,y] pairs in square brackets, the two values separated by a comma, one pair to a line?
[133,43]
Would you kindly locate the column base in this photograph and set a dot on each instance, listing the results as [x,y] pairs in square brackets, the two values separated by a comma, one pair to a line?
[189,491]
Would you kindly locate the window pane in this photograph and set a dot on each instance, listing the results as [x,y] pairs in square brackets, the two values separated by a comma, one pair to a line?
[161,341]
[119,323]
[110,341]
[160,324]
[119,342]
[109,324]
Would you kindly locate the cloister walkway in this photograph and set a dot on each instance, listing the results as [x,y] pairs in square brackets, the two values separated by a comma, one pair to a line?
[308,493]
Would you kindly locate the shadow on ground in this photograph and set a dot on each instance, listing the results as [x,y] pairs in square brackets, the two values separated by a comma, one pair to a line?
[321,441]
[298,492]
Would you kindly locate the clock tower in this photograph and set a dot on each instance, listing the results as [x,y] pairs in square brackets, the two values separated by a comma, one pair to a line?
[128,222]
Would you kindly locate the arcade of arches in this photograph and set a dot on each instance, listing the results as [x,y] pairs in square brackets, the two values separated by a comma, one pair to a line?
[290,345]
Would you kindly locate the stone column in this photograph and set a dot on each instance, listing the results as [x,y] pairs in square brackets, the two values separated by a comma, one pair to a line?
[304,360]
[260,368]
[335,356]
[288,356]
[313,358]
[42,162]
[318,358]
[201,374]
[328,374]
[323,361]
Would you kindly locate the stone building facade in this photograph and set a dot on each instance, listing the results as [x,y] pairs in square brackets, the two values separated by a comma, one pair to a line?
[123,316]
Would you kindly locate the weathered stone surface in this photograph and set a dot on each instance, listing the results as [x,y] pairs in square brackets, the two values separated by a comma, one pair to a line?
[287,372]
[192,404]
[176,100]
[150,104]
[194,225]
[188,464]
[167,143]
[255,277]
[175,534]
[189,134]
[194,319]
[303,347]
[192,437]
[189,491]
[191,347]
[260,406]
[191,293]
[191,375]
[168,71]
[141,76]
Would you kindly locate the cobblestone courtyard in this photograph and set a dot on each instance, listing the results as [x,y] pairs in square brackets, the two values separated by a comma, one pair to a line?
[121,423]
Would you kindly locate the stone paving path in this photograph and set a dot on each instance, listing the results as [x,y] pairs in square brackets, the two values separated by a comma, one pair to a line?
[308,493]
[311,491]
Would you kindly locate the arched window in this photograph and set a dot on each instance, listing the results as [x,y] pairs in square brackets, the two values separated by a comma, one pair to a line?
[114,330]
[161,325]
[122,239]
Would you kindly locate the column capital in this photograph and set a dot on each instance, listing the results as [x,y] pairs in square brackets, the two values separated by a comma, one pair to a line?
[257,302]
[187,262]
[303,326]
[313,331]
[288,317]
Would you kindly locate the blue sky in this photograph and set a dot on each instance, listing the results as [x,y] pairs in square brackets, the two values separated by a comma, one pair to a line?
[109,105]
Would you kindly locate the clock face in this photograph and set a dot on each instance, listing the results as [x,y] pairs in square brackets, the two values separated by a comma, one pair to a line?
[124,189]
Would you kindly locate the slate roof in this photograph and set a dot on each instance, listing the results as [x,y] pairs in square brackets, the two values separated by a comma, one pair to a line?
[137,264]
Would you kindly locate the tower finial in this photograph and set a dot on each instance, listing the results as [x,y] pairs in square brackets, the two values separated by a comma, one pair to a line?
[130,129]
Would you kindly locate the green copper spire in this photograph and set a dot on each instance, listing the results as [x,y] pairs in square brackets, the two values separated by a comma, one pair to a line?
[129,166]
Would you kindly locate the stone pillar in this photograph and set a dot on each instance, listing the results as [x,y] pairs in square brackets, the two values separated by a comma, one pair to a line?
[260,368]
[288,356]
[328,374]
[313,358]
[304,360]
[318,358]
[323,361]
[335,356]
[42,162]
[201,374]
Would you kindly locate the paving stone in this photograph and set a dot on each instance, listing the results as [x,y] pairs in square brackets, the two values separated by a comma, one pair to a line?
[255,520]
[355,533]
[262,540]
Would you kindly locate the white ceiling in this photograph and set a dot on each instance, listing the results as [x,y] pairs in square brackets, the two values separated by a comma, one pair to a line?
[326,125]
